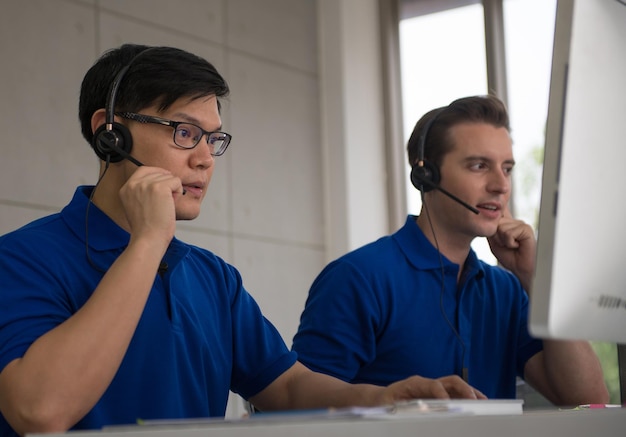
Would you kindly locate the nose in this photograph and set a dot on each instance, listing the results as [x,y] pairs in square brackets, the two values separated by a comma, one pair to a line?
[499,181]
[201,155]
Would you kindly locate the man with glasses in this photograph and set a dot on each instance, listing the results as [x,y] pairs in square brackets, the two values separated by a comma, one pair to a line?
[106,317]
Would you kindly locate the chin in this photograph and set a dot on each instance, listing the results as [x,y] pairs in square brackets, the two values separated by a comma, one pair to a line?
[489,232]
[187,215]
[484,230]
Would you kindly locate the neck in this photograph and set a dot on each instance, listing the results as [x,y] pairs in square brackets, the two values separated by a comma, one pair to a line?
[453,246]
[107,198]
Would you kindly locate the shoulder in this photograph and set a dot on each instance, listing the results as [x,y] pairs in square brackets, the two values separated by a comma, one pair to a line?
[500,275]
[362,265]
[208,262]
[502,284]
[373,253]
[362,277]
[35,236]
[384,250]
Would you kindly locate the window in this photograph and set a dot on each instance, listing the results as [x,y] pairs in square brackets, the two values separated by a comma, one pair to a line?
[529,30]
[442,58]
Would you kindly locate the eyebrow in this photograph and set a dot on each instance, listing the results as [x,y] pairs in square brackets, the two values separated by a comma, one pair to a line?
[485,158]
[193,120]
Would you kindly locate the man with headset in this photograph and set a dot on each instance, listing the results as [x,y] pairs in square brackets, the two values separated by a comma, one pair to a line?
[421,302]
[106,317]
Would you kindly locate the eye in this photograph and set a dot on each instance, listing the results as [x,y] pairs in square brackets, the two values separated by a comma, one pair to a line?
[479,165]
[187,135]
[184,131]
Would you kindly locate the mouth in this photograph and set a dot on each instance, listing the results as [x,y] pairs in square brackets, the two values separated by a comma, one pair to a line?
[195,188]
[489,207]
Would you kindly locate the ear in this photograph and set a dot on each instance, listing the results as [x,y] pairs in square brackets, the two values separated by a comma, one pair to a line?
[98,119]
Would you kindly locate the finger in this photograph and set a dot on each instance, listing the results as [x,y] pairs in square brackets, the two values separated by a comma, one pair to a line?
[423,388]
[437,391]
[479,394]
[156,176]
[509,233]
[458,388]
[509,239]
[495,239]
[461,390]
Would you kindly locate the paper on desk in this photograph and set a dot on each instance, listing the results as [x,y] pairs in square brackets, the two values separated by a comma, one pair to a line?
[411,409]
[467,406]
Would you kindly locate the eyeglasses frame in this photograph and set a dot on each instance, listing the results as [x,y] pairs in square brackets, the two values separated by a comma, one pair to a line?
[142,118]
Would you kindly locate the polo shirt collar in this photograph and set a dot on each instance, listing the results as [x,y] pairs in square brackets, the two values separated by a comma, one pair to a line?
[102,232]
[422,255]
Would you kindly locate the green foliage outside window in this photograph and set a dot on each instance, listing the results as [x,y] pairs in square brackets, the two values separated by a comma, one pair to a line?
[607,353]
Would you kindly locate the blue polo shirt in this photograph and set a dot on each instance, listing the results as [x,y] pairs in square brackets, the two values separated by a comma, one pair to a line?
[201,334]
[389,310]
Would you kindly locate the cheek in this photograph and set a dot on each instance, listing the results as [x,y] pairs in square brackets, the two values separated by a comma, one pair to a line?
[459,185]
[169,159]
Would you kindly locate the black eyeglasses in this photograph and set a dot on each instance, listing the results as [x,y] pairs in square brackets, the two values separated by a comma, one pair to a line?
[186,135]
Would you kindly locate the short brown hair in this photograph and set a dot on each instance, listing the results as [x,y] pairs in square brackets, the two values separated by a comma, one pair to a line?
[475,109]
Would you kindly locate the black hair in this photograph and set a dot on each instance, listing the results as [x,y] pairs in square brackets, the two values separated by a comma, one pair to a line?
[160,77]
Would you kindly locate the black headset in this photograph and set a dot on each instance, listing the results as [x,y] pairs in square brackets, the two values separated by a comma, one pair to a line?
[113,141]
[425,175]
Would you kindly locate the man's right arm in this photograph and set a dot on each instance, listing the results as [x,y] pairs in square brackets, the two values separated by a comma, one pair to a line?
[64,372]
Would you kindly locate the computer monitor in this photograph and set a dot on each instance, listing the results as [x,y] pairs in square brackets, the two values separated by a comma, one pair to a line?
[579,288]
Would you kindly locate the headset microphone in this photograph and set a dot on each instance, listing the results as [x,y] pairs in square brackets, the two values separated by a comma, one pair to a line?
[425,175]
[419,181]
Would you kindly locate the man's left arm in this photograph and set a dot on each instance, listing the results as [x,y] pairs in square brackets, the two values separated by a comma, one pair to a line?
[565,372]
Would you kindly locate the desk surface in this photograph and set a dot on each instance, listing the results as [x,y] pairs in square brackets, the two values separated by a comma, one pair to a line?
[567,423]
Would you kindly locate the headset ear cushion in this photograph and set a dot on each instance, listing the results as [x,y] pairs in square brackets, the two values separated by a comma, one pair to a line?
[109,143]
[425,177]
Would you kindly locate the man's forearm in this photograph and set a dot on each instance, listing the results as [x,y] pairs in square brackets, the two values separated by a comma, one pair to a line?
[574,372]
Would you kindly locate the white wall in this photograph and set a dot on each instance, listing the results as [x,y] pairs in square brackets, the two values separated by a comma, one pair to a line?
[303,180]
